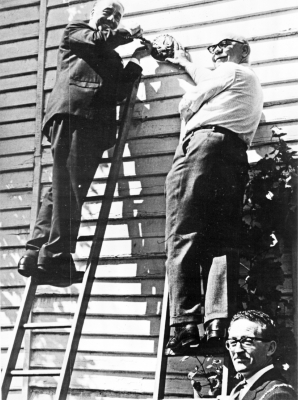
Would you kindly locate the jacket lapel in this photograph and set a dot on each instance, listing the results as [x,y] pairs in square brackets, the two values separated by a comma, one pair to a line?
[261,383]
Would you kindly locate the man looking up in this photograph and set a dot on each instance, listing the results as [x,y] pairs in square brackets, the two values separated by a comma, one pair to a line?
[80,123]
[205,186]
[252,344]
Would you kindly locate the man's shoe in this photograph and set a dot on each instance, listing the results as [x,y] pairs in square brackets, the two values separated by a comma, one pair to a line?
[217,329]
[184,337]
[27,266]
[59,272]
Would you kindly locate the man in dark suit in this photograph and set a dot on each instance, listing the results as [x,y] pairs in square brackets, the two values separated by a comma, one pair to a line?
[252,345]
[80,123]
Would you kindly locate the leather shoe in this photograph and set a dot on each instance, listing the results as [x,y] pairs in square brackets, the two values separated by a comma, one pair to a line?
[27,266]
[216,329]
[184,337]
[58,271]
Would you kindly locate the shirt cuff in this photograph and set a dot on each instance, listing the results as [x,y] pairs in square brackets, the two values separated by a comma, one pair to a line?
[135,60]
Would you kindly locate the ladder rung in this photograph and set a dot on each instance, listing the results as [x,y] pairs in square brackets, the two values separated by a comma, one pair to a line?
[47,325]
[36,372]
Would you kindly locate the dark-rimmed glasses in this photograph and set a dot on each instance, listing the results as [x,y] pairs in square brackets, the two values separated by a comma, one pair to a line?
[222,44]
[246,342]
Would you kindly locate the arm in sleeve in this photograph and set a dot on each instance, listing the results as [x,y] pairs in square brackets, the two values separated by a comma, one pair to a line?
[129,74]
[212,84]
[82,39]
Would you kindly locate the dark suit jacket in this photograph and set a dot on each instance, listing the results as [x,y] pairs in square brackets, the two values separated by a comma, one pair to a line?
[90,78]
[270,386]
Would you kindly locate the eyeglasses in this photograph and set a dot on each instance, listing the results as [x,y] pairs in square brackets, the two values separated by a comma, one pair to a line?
[245,342]
[222,44]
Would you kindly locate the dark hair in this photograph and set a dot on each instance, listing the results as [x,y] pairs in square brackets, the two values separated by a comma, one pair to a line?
[269,330]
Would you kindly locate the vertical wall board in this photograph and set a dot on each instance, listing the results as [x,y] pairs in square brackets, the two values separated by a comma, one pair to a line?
[118,348]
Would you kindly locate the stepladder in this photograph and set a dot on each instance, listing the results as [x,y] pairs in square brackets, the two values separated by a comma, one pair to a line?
[199,383]
[23,323]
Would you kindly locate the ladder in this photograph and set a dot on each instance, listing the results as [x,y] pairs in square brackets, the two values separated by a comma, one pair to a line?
[232,260]
[76,326]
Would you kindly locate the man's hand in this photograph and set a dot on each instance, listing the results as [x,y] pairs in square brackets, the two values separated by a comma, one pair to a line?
[143,51]
[135,31]
[185,112]
[180,56]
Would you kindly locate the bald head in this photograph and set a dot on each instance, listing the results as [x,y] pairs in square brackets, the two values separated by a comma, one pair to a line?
[229,46]
[106,14]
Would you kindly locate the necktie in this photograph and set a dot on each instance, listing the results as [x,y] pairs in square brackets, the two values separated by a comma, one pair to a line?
[238,390]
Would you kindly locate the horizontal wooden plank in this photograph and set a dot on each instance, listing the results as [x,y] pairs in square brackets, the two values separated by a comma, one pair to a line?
[18,82]
[104,306]
[18,161]
[133,287]
[134,247]
[16,180]
[15,199]
[20,359]
[20,49]
[85,361]
[112,268]
[17,98]
[18,67]
[133,6]
[15,3]
[15,217]
[14,33]
[19,15]
[14,146]
[17,129]
[110,325]
[14,237]
[111,344]
[142,166]
[127,208]
[16,114]
[105,381]
[138,228]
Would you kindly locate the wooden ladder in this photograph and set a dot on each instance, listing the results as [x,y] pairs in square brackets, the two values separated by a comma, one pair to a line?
[22,324]
[232,261]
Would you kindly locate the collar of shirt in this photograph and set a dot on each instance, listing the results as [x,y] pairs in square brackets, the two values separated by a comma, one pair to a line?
[250,381]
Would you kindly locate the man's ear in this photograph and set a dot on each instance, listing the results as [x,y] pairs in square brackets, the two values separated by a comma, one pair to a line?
[245,50]
[92,12]
[272,348]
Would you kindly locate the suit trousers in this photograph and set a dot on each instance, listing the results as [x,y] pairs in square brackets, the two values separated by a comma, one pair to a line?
[77,148]
[204,197]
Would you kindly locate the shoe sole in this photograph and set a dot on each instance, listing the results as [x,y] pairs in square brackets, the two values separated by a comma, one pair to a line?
[183,346]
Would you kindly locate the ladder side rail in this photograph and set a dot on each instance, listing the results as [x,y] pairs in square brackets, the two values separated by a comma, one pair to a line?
[18,335]
[164,331]
[84,296]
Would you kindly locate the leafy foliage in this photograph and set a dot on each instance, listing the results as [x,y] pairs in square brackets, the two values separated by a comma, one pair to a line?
[269,223]
[210,369]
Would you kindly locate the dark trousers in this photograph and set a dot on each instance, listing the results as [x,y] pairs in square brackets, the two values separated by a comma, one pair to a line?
[204,196]
[77,149]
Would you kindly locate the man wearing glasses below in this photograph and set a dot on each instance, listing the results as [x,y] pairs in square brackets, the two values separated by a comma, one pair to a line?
[205,186]
[252,343]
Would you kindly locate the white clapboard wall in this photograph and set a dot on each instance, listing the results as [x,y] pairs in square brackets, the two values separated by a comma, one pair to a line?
[117,351]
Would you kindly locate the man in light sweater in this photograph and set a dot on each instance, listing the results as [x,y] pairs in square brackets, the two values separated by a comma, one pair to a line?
[205,186]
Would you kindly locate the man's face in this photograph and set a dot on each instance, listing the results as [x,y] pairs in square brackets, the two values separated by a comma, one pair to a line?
[248,360]
[231,51]
[107,15]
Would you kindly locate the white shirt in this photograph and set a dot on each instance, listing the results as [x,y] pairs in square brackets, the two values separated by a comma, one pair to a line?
[250,381]
[229,96]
